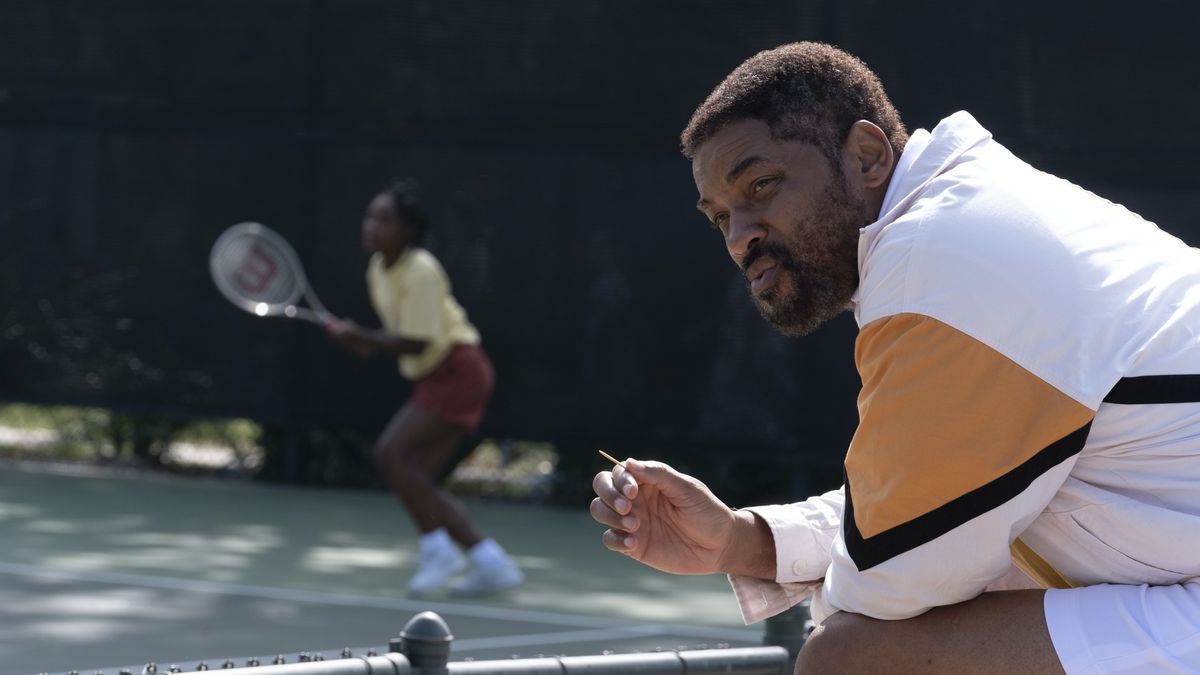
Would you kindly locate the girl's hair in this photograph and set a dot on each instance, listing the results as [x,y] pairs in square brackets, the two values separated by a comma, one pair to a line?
[408,207]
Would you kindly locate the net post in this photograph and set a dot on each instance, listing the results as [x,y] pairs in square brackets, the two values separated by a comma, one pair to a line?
[426,641]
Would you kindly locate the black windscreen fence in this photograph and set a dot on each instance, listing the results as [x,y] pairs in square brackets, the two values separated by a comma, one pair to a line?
[545,138]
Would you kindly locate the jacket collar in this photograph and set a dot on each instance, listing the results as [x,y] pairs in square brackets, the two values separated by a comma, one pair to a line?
[927,155]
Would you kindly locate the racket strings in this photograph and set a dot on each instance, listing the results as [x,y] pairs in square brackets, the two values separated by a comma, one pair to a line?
[257,271]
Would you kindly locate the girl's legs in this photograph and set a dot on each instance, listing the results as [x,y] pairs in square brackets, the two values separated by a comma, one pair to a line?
[412,452]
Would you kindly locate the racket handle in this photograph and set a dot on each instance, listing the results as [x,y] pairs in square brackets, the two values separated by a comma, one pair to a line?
[319,319]
[316,303]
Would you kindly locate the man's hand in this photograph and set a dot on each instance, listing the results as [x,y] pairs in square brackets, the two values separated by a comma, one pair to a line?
[350,335]
[673,522]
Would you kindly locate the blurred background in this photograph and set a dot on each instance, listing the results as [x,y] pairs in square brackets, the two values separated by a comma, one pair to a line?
[545,138]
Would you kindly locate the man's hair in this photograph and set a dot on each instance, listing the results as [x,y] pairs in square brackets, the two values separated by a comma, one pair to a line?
[408,207]
[806,91]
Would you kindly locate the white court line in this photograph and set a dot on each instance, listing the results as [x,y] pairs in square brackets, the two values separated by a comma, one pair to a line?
[399,604]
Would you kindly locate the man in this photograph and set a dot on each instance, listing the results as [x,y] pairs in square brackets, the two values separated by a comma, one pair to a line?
[1029,416]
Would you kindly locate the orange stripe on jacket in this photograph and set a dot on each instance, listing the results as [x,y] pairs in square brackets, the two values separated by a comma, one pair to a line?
[942,414]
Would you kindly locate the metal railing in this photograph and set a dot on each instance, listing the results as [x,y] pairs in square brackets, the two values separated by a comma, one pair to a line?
[423,648]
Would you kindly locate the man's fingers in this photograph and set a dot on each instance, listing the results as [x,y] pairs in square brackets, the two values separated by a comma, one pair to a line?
[666,479]
[621,542]
[624,481]
[604,487]
[604,514]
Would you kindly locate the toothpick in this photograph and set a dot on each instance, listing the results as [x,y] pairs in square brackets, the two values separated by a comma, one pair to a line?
[610,458]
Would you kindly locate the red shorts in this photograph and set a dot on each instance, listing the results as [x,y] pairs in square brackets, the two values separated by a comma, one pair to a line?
[459,387]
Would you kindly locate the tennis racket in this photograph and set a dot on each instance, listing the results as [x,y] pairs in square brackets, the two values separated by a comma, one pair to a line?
[258,271]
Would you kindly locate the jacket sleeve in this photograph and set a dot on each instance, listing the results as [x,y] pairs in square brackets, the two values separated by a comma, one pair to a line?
[804,533]
[958,449]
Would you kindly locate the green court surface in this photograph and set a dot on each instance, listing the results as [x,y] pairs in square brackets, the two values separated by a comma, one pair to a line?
[100,571]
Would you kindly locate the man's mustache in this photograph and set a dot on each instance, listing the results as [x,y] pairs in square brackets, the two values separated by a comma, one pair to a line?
[769,249]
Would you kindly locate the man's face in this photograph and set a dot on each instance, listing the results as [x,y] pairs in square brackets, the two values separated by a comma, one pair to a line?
[788,219]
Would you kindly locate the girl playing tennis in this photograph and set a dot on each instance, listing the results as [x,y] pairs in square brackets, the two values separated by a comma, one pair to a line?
[438,349]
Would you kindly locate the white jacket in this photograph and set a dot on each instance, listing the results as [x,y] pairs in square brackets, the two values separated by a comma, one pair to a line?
[1030,356]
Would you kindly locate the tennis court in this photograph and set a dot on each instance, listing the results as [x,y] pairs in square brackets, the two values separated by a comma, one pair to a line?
[102,571]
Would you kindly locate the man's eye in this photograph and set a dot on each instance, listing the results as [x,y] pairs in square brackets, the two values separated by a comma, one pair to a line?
[718,221]
[761,183]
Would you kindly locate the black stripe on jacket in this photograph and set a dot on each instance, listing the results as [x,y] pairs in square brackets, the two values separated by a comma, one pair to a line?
[869,552]
[1152,389]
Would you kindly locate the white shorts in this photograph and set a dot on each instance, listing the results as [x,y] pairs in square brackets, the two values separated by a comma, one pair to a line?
[1126,629]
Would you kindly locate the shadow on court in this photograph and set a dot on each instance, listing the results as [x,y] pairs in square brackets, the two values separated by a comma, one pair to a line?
[101,571]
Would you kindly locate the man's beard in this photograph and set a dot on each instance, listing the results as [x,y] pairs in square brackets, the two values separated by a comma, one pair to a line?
[822,280]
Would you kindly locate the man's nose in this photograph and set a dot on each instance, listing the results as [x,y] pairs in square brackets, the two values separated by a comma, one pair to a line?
[744,234]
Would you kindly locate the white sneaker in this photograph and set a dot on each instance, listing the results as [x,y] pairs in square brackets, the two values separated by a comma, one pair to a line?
[436,568]
[487,579]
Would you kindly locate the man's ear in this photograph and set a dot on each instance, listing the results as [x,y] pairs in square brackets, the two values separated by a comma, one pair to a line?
[868,149]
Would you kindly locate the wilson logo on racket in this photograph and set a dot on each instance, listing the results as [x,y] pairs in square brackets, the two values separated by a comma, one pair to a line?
[256,270]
